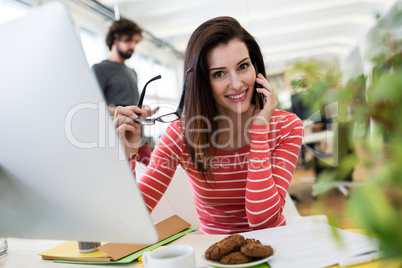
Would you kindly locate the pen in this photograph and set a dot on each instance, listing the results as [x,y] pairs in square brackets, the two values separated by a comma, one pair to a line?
[360,259]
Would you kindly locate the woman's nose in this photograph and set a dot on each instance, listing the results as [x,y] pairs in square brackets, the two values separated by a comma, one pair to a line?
[235,81]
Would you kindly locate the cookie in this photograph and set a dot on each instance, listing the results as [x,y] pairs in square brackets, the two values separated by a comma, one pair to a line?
[235,257]
[256,250]
[225,246]
[217,251]
[236,239]
[253,241]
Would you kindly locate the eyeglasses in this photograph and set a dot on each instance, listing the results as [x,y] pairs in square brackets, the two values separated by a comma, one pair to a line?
[165,118]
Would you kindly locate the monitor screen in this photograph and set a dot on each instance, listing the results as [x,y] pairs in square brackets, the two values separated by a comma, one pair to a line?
[63,172]
[299,107]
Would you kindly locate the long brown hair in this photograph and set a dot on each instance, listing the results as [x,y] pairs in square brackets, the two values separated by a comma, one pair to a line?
[199,106]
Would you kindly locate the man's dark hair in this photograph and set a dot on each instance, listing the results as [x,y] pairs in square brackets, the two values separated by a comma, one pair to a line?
[122,27]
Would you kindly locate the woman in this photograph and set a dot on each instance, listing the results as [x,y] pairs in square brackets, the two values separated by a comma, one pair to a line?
[239,159]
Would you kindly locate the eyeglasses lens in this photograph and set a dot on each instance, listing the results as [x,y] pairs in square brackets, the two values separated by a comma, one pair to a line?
[168,118]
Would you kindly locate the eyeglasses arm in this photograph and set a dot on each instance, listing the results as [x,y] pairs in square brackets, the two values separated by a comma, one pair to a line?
[183,94]
[141,99]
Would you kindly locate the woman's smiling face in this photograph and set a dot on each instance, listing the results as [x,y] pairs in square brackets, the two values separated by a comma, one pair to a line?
[232,77]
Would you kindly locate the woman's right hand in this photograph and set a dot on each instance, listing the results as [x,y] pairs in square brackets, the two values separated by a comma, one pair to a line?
[128,130]
[262,117]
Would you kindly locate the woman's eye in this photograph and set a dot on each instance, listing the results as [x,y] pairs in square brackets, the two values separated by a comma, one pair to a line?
[218,74]
[244,66]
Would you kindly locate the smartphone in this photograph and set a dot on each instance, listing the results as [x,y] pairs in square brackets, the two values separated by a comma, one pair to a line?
[260,96]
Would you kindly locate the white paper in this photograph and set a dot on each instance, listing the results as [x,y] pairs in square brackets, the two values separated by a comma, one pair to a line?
[310,244]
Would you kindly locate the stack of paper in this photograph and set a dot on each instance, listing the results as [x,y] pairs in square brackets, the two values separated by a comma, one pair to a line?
[312,245]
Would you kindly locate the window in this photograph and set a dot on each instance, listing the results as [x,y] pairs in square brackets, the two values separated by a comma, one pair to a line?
[10,10]
[93,46]
[168,89]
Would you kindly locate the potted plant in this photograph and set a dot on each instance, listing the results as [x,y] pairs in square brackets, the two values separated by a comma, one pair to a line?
[374,101]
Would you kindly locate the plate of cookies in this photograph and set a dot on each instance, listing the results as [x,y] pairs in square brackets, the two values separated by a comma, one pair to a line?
[237,251]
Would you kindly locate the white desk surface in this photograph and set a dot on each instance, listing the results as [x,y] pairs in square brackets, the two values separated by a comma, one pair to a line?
[23,253]
[326,135]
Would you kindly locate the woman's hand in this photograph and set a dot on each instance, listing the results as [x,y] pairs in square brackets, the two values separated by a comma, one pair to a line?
[262,116]
[150,111]
[128,130]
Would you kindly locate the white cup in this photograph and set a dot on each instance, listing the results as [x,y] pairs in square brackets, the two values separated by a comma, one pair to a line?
[3,247]
[173,256]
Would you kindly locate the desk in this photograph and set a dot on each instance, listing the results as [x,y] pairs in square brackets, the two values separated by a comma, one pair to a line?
[311,141]
[24,253]
[316,137]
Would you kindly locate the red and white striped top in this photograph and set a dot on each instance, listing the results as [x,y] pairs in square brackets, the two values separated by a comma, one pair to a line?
[250,184]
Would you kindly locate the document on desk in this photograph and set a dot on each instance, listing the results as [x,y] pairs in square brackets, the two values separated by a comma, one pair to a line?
[312,245]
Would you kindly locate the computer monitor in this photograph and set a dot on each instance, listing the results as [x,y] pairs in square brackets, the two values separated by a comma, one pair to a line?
[299,106]
[63,175]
